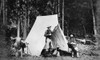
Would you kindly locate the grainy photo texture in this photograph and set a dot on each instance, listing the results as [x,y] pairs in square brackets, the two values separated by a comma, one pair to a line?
[49,29]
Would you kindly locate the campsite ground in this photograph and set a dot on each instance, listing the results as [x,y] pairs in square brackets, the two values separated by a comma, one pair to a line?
[87,53]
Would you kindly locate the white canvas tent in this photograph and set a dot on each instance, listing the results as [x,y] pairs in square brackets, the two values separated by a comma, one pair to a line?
[36,37]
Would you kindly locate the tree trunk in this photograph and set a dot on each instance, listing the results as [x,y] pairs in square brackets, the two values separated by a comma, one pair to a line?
[63,15]
[25,26]
[4,22]
[58,8]
[98,16]
[97,22]
[1,6]
[25,33]
[84,29]
[18,28]
[94,20]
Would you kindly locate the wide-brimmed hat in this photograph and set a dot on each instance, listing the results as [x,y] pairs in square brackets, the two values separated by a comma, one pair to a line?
[49,27]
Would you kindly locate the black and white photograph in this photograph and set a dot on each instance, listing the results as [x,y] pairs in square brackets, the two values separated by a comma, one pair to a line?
[49,29]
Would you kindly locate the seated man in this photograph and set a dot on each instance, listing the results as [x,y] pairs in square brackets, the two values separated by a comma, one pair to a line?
[73,46]
[18,46]
[74,49]
[23,45]
[13,39]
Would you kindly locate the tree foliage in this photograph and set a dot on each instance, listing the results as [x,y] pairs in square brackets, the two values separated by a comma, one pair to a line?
[78,13]
[26,12]
[79,17]
[16,8]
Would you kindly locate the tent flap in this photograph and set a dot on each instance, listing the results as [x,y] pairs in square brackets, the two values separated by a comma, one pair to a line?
[59,39]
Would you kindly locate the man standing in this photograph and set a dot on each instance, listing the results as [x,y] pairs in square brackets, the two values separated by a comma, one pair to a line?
[48,33]
[48,41]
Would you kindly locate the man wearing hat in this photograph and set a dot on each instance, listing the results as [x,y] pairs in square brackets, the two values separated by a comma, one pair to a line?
[48,42]
[48,32]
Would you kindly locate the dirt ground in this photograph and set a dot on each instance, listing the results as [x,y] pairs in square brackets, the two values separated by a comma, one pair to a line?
[86,53]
